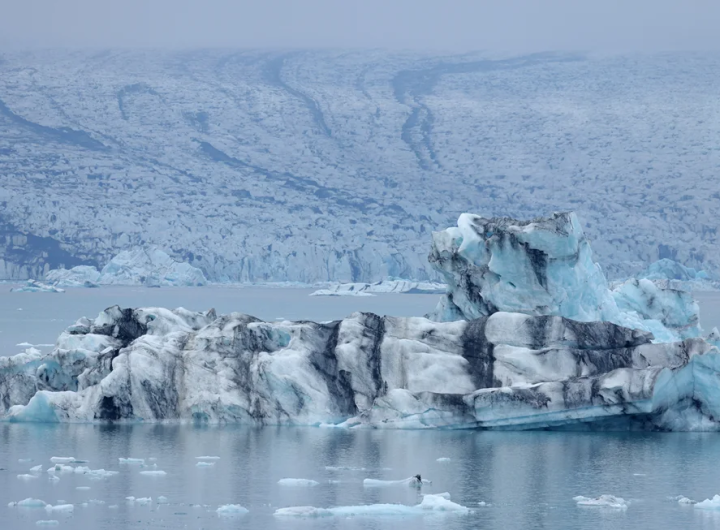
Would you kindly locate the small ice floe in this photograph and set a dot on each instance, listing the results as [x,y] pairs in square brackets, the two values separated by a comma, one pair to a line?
[47,522]
[709,504]
[483,503]
[604,501]
[162,500]
[231,509]
[443,460]
[203,463]
[62,459]
[60,468]
[64,508]
[96,501]
[24,460]
[207,458]
[143,501]
[417,482]
[82,488]
[36,469]
[639,475]
[344,468]
[27,477]
[681,499]
[28,503]
[431,504]
[302,482]
[94,474]
[131,461]
[154,473]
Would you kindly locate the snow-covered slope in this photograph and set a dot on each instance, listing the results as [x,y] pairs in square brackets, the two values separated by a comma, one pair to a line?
[323,166]
[508,370]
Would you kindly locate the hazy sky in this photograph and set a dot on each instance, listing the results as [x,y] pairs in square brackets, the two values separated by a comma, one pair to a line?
[613,25]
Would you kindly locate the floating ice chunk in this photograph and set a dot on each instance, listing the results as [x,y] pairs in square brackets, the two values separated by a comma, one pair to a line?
[143,501]
[27,477]
[82,488]
[154,473]
[162,500]
[483,503]
[232,509]
[429,504]
[24,460]
[684,500]
[344,468]
[62,459]
[97,474]
[607,501]
[60,468]
[28,503]
[207,458]
[96,501]
[47,522]
[443,459]
[130,499]
[439,503]
[64,508]
[303,482]
[204,464]
[709,504]
[132,461]
[412,481]
[36,469]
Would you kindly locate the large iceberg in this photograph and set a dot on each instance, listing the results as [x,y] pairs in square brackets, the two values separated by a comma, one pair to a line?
[529,337]
[507,370]
[150,267]
[545,267]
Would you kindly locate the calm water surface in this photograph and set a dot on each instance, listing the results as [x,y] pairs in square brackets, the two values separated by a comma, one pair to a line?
[529,479]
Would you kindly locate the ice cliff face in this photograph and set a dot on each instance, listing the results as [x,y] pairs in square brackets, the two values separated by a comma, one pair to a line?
[348,160]
[151,267]
[508,370]
[545,267]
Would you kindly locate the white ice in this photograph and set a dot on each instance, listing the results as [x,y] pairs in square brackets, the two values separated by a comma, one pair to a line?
[29,503]
[47,522]
[606,501]
[155,473]
[231,509]
[443,459]
[303,482]
[65,508]
[709,504]
[431,504]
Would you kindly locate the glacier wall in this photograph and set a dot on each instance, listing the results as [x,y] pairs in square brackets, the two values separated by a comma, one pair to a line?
[348,160]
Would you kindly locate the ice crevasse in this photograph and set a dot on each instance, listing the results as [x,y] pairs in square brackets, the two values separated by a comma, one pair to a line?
[528,336]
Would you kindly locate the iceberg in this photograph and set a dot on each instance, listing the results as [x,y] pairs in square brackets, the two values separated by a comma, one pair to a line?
[673,275]
[150,267]
[295,482]
[231,509]
[431,504]
[80,276]
[542,267]
[34,286]
[528,336]
[603,501]
[385,286]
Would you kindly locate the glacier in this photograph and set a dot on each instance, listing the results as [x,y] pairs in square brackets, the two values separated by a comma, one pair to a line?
[348,160]
[384,286]
[528,336]
[151,267]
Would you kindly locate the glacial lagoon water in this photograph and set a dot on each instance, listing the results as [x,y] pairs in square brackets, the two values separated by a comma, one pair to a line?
[524,480]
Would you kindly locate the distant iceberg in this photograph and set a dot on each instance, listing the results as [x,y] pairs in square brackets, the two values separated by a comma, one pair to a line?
[34,286]
[149,267]
[385,286]
[528,336]
[670,274]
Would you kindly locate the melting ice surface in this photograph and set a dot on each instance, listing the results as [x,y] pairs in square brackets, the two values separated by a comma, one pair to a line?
[503,479]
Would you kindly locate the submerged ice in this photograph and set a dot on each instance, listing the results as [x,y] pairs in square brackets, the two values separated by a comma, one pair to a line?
[528,336]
